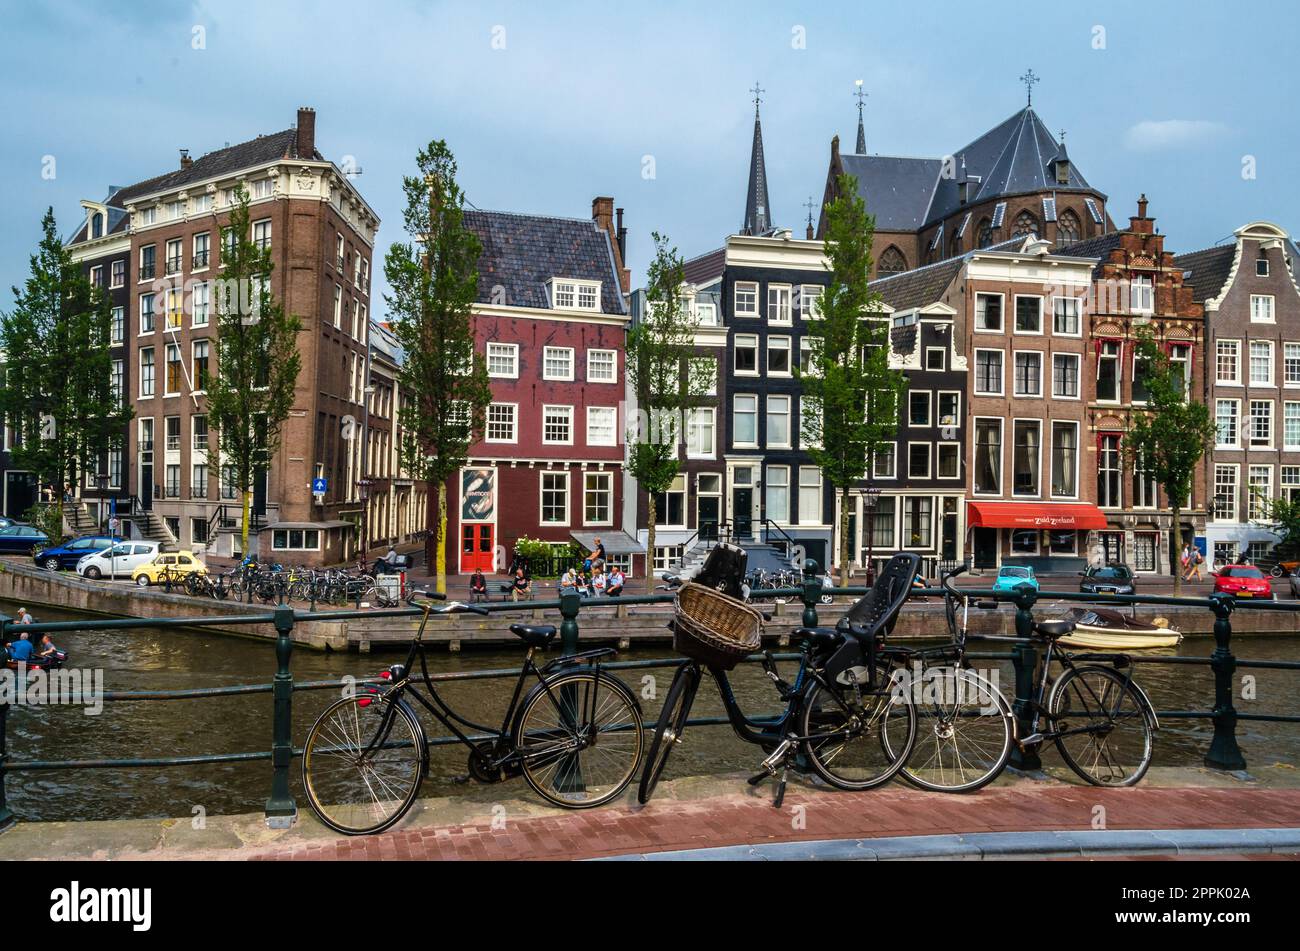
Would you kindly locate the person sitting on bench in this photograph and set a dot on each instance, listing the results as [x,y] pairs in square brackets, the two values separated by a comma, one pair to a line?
[521,588]
[614,584]
[478,585]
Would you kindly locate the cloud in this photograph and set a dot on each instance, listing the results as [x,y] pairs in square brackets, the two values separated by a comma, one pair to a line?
[1152,135]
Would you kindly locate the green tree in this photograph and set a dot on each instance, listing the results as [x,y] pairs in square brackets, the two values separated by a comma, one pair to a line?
[258,359]
[57,392]
[434,281]
[851,395]
[1284,517]
[665,378]
[1169,436]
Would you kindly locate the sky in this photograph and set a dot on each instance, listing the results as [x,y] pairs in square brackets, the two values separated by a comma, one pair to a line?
[547,105]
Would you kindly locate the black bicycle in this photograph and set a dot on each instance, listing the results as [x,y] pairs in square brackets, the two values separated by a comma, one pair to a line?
[838,710]
[575,735]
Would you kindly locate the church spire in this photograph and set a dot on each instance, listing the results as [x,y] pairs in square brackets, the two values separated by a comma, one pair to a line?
[758,219]
[862,132]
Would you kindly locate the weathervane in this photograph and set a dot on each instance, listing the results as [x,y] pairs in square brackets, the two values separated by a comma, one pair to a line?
[810,205]
[758,95]
[860,95]
[1029,79]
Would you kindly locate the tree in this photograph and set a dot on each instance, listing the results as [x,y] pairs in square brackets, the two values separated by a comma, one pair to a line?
[851,395]
[258,360]
[1284,518]
[57,393]
[433,289]
[1169,436]
[662,371]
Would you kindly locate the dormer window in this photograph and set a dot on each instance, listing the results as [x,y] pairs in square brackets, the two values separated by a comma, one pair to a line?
[1063,172]
[962,188]
[568,294]
[97,225]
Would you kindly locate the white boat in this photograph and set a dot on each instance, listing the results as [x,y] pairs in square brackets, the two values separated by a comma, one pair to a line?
[1100,629]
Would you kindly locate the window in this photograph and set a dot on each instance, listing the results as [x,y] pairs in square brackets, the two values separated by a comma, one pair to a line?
[598,498]
[202,370]
[747,354]
[778,494]
[745,420]
[918,521]
[173,369]
[1029,373]
[264,188]
[892,261]
[602,425]
[810,301]
[1065,459]
[117,271]
[705,375]
[1065,375]
[1024,541]
[295,539]
[172,484]
[1291,483]
[338,254]
[1291,364]
[669,557]
[602,366]
[1109,471]
[1180,365]
[949,461]
[97,275]
[1025,462]
[557,363]
[1141,295]
[202,250]
[148,262]
[175,308]
[882,466]
[1108,371]
[1261,363]
[146,314]
[1029,315]
[918,408]
[175,257]
[1261,423]
[1225,423]
[810,495]
[576,295]
[746,299]
[557,425]
[1261,266]
[117,326]
[988,456]
[1225,493]
[988,372]
[918,460]
[200,305]
[146,372]
[700,432]
[1291,425]
[503,360]
[588,297]
[172,429]
[1065,316]
[1261,308]
[1145,490]
[988,312]
[778,422]
[199,433]
[1227,361]
[949,408]
[555,498]
[115,468]
[778,304]
[116,380]
[501,422]
[229,483]
[778,356]
[338,307]
[1259,485]
[935,358]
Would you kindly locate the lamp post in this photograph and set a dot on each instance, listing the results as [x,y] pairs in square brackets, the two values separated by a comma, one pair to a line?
[102,480]
[870,497]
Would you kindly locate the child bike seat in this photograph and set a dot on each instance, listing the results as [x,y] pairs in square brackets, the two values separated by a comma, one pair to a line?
[876,612]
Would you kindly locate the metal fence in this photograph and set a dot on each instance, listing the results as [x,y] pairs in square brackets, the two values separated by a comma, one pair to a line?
[1223,753]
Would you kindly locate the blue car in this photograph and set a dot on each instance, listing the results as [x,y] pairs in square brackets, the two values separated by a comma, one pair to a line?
[70,552]
[1011,577]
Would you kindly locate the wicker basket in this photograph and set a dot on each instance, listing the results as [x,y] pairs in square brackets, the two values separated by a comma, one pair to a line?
[714,629]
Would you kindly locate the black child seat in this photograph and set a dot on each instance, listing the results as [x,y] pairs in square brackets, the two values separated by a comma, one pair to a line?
[876,612]
[534,635]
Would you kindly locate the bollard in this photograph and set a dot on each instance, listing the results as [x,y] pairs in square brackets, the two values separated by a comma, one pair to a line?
[570,605]
[812,593]
[7,818]
[1224,752]
[280,808]
[1024,661]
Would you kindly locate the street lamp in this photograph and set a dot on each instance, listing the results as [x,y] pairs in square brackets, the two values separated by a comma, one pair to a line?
[870,497]
[102,480]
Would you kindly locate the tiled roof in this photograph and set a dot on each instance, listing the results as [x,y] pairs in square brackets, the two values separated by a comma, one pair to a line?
[920,287]
[1097,247]
[705,267]
[1207,271]
[521,253]
[903,339]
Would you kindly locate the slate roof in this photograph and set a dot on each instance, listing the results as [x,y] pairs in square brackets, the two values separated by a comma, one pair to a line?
[705,267]
[384,341]
[903,339]
[523,252]
[925,285]
[1207,271]
[1097,247]
[118,221]
[897,190]
[758,211]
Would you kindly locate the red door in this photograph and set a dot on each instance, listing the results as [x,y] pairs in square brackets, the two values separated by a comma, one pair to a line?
[476,548]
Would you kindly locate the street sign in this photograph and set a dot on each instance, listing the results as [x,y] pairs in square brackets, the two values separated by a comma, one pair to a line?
[319,485]
[114,524]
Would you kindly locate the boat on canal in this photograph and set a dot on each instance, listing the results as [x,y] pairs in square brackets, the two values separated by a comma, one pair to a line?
[1102,629]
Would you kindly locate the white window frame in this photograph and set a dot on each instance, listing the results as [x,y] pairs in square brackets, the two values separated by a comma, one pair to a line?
[1250,435]
[929,408]
[1235,469]
[815,491]
[1256,308]
[735,412]
[1141,295]
[787,344]
[1015,375]
[546,409]
[1289,444]
[1051,455]
[768,485]
[1221,348]
[1267,345]
[1002,313]
[943,359]
[748,288]
[541,497]
[608,490]
[929,459]
[938,408]
[547,353]
[1078,376]
[612,413]
[788,443]
[1000,491]
[1015,330]
[1290,380]
[1235,442]
[1078,315]
[736,347]
[514,423]
[693,415]
[1002,375]
[780,305]
[938,459]
[613,366]
[502,351]
[892,471]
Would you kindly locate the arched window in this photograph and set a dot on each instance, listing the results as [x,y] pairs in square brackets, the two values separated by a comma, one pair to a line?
[97,225]
[985,233]
[1067,229]
[892,261]
[1025,223]
[954,246]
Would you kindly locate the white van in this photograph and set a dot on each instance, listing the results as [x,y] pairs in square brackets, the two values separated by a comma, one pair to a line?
[122,558]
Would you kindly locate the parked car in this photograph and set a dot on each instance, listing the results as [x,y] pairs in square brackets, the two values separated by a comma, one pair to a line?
[1243,581]
[176,564]
[22,539]
[1294,579]
[70,552]
[122,559]
[1011,577]
[1108,579]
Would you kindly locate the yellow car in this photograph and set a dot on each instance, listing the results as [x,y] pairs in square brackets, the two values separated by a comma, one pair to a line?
[171,564]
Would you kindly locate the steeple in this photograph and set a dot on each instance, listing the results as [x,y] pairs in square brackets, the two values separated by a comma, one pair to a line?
[758,218]
[862,132]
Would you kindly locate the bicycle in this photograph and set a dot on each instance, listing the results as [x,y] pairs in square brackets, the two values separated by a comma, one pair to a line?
[575,736]
[838,709]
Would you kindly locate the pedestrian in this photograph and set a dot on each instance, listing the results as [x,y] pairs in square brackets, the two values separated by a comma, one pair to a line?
[1198,559]
[1185,561]
[598,554]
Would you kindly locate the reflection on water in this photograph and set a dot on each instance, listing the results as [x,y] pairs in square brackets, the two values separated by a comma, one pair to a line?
[176,660]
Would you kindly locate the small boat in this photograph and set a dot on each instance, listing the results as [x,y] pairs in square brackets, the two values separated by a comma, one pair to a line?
[1100,629]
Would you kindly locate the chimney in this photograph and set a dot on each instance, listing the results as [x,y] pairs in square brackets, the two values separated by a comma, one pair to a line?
[186,161]
[602,212]
[622,234]
[1140,223]
[306,132]
[1142,205]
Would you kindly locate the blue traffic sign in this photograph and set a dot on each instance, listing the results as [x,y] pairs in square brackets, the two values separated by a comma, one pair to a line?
[318,485]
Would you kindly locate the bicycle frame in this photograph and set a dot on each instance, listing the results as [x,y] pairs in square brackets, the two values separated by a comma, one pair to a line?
[1118,662]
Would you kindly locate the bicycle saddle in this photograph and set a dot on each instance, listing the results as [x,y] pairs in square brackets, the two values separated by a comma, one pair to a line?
[534,635]
[819,637]
[1053,629]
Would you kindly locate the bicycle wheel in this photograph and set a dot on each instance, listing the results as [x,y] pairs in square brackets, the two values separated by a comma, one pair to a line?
[965,732]
[858,755]
[668,729]
[354,789]
[1104,733]
[579,739]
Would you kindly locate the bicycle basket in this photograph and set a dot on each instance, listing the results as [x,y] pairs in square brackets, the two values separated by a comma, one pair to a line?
[714,629]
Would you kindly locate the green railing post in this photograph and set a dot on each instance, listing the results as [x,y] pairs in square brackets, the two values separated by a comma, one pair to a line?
[1224,752]
[280,808]
[7,818]
[1024,660]
[570,605]
[812,593]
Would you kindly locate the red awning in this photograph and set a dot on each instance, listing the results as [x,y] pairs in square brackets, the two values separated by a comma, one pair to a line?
[1035,515]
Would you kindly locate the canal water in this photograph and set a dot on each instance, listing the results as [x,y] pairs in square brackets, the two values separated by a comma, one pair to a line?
[180,660]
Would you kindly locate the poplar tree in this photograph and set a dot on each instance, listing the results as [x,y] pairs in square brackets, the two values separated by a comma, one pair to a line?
[258,359]
[57,391]
[434,283]
[851,395]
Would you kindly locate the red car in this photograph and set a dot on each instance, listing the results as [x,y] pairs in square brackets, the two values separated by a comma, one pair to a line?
[1243,581]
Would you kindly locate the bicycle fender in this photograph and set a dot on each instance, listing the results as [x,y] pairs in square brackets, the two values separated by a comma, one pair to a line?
[1148,709]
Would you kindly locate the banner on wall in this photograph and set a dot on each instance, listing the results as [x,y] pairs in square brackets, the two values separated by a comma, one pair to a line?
[478,495]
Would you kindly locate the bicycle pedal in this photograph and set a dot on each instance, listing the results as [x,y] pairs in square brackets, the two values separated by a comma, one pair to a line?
[777,758]
[1034,739]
